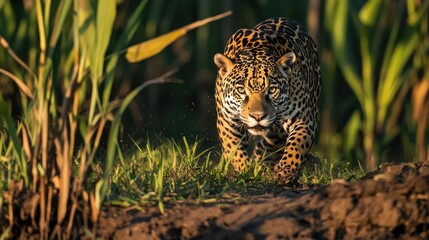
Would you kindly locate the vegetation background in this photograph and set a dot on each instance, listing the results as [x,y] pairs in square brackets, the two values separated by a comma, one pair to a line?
[347,120]
[374,104]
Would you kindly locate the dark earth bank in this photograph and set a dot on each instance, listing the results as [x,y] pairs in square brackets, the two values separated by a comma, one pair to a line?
[392,203]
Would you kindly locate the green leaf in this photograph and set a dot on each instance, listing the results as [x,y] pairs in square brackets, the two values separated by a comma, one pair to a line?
[13,135]
[401,54]
[86,19]
[369,13]
[341,48]
[149,48]
[106,14]
[60,16]
[130,30]
[95,28]
[352,129]
[416,16]
[7,14]
[114,130]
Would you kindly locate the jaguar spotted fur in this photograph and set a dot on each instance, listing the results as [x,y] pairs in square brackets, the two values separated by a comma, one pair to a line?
[268,85]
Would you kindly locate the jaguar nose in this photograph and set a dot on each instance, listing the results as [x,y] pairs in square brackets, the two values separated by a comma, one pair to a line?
[258,116]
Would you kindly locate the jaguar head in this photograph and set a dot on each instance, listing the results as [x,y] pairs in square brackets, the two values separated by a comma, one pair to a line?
[255,86]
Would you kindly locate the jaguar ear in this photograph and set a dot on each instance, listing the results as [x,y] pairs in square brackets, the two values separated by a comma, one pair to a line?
[224,64]
[285,62]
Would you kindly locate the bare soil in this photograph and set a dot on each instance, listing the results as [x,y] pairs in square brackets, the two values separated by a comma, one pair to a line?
[392,203]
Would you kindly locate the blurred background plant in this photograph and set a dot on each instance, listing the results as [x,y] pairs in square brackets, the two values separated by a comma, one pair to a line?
[381,50]
[374,104]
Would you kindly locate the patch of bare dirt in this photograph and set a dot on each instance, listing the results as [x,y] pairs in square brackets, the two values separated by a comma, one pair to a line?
[392,202]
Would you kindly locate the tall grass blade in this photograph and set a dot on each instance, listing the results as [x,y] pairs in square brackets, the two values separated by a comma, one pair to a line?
[369,12]
[21,85]
[13,135]
[60,17]
[129,31]
[6,45]
[400,56]
[342,50]
[105,17]
[114,130]
[62,145]
[41,30]
[154,46]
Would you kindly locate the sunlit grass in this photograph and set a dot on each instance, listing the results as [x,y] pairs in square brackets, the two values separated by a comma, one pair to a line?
[180,170]
[171,171]
[320,171]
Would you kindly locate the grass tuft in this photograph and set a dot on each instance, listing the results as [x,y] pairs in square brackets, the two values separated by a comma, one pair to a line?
[175,171]
[178,171]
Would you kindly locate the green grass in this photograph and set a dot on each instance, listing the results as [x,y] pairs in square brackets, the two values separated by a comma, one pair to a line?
[175,171]
[182,170]
[320,171]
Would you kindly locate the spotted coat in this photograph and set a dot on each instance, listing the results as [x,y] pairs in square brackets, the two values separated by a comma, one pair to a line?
[268,85]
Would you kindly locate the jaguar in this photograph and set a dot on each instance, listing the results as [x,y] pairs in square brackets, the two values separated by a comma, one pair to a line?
[268,85]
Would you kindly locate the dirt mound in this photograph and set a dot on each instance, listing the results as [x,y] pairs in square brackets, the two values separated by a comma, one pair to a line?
[392,202]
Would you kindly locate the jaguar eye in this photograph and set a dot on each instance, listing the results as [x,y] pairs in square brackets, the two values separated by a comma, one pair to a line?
[272,89]
[240,90]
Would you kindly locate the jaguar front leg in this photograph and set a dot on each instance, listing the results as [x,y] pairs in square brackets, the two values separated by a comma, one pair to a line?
[298,144]
[234,143]
[270,148]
